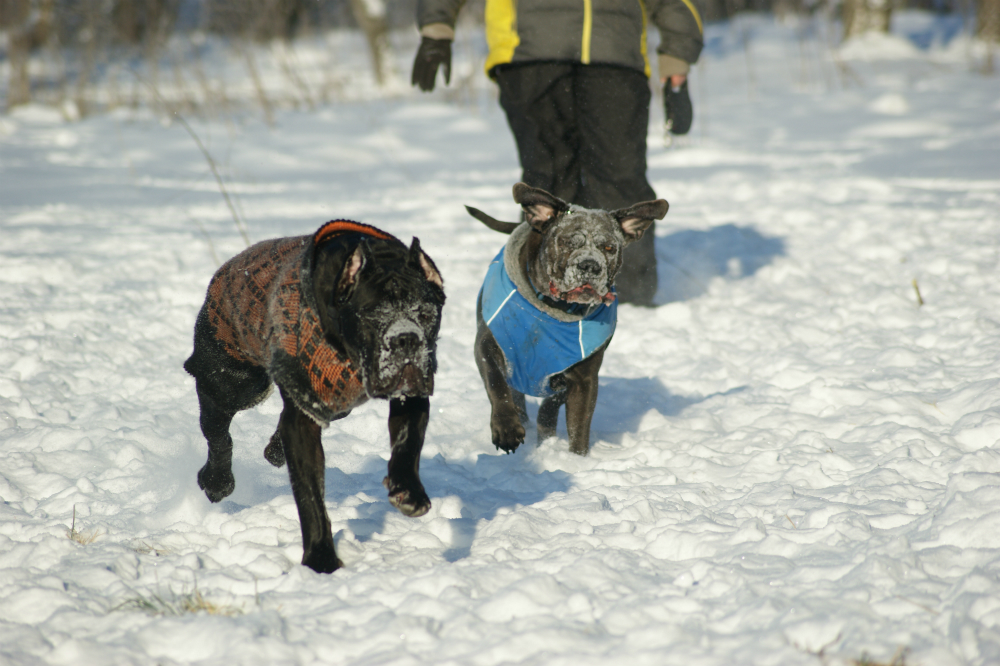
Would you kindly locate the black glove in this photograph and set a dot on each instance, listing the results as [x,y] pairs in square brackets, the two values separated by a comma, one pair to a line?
[678,109]
[432,52]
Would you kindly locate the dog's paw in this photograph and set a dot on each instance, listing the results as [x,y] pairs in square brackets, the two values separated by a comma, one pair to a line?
[412,501]
[507,434]
[218,484]
[274,452]
[322,558]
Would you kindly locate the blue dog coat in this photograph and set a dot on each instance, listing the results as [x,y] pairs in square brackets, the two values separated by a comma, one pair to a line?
[535,344]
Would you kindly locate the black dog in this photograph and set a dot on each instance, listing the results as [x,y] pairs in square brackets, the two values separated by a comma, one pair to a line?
[547,311]
[333,319]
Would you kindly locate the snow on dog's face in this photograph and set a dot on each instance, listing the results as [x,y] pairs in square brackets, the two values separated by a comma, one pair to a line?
[386,316]
[582,254]
[581,248]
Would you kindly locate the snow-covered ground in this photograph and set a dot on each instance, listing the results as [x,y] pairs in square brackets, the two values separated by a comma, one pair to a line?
[794,462]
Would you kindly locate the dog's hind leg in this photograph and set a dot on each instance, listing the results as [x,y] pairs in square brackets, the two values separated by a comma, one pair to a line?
[548,415]
[407,424]
[300,437]
[274,452]
[225,386]
[216,477]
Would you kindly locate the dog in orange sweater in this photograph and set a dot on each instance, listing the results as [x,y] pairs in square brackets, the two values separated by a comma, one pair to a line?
[346,314]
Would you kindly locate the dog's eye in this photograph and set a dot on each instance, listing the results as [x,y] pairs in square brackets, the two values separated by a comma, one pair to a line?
[609,248]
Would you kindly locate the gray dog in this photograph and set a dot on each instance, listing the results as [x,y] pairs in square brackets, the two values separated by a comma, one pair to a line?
[547,311]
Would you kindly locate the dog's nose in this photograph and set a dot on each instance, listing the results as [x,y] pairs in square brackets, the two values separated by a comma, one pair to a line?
[590,266]
[405,343]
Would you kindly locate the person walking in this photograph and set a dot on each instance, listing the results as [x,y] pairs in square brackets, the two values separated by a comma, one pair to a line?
[573,78]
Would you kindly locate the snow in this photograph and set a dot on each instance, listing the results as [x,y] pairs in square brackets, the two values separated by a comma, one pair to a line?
[793,462]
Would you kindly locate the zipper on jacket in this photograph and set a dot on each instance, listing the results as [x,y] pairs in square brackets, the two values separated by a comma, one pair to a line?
[643,41]
[588,25]
[695,15]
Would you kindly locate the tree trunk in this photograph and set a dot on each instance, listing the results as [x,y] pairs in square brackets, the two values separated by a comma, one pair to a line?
[370,15]
[861,16]
[15,20]
[135,21]
[27,24]
[783,9]
[988,21]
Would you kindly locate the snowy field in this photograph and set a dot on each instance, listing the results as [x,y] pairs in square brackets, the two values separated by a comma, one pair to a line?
[794,462]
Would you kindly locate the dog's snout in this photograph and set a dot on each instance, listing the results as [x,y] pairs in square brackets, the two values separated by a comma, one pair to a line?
[590,266]
[405,343]
[405,366]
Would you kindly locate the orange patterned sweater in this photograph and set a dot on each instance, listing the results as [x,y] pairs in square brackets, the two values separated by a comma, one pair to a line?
[260,312]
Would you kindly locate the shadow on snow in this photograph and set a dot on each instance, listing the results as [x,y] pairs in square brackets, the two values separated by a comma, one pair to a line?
[622,403]
[495,481]
[688,260]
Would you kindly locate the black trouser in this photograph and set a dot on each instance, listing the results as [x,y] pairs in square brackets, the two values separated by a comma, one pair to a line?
[581,135]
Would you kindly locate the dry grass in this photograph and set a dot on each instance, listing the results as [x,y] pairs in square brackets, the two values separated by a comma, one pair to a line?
[177,605]
[916,288]
[143,548]
[898,659]
[82,538]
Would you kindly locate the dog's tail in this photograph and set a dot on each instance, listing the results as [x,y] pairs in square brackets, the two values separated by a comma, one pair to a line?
[492,223]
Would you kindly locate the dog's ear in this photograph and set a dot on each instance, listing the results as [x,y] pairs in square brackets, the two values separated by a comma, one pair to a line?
[326,275]
[635,219]
[348,278]
[540,208]
[420,258]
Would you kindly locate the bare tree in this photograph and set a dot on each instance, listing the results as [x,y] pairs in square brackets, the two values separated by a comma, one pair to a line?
[259,20]
[988,21]
[371,17]
[27,23]
[136,21]
[861,16]
[988,29]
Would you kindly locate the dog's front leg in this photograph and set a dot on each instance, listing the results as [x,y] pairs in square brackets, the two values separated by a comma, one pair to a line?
[301,439]
[506,422]
[581,398]
[407,424]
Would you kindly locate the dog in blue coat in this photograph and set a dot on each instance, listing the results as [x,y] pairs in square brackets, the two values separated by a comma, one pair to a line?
[547,311]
